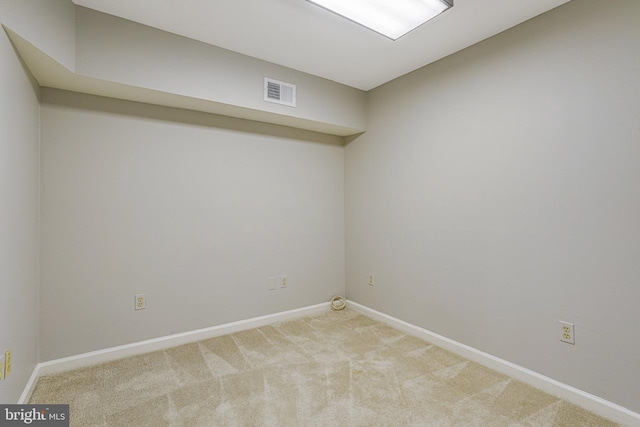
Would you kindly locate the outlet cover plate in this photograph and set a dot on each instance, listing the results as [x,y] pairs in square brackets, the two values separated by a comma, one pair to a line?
[140,302]
[567,332]
[7,363]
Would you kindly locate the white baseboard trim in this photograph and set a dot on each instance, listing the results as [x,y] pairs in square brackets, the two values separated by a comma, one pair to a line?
[31,385]
[586,400]
[109,354]
[581,398]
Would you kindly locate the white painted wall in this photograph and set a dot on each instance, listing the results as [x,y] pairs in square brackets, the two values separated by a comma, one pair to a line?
[49,24]
[498,191]
[194,210]
[114,49]
[19,211]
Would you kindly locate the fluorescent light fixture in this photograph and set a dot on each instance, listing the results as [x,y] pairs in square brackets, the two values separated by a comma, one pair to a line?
[391,18]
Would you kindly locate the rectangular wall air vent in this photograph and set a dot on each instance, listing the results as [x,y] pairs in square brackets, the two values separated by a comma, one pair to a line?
[279,92]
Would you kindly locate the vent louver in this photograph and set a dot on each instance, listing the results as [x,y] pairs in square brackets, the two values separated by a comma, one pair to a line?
[279,92]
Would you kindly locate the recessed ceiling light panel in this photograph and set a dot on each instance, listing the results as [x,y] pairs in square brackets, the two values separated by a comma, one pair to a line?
[391,18]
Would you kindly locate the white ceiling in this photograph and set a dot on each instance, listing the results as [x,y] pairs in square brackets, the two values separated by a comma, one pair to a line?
[302,36]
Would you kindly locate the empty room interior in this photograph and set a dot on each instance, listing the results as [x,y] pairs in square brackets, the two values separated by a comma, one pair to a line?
[175,171]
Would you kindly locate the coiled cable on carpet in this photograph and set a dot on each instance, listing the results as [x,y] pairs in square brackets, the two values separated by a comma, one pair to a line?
[338,303]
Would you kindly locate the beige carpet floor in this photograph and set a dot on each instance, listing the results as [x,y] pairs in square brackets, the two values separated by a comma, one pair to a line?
[335,369]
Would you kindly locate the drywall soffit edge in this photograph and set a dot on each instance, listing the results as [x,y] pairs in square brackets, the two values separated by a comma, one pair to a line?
[50,73]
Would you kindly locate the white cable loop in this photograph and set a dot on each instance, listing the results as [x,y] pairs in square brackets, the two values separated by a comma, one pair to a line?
[338,303]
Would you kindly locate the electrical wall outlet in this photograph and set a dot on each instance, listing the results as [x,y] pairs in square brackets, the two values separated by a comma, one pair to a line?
[371,279]
[141,302]
[284,283]
[7,363]
[567,332]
